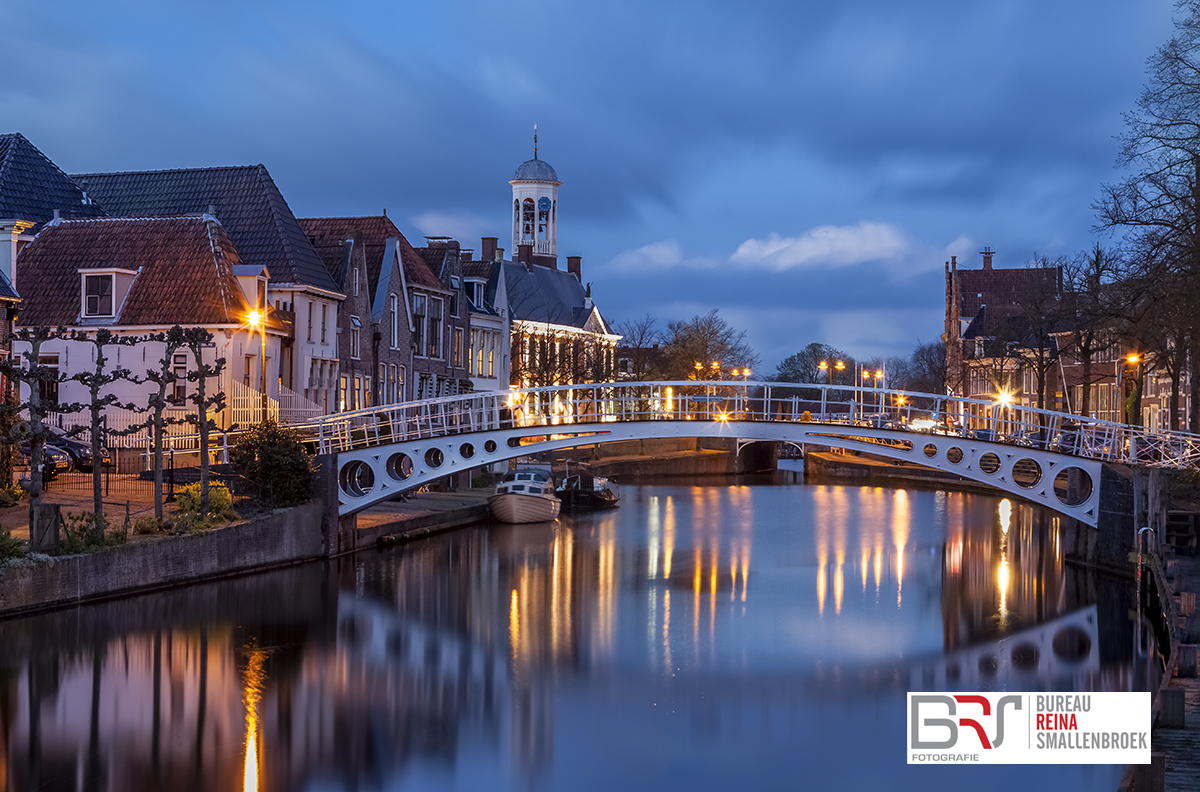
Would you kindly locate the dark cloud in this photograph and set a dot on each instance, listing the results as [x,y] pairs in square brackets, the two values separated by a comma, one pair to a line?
[699,123]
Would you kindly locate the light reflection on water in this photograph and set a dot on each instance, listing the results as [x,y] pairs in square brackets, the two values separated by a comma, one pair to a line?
[700,637]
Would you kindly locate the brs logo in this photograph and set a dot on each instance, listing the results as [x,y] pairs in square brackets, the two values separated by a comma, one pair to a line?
[950,704]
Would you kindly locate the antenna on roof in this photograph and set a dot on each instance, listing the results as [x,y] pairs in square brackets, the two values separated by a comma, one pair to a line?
[535,141]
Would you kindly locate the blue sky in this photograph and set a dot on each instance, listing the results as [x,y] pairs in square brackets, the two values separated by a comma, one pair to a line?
[805,167]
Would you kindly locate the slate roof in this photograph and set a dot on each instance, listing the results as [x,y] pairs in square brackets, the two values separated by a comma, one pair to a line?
[544,295]
[185,277]
[248,205]
[32,186]
[327,234]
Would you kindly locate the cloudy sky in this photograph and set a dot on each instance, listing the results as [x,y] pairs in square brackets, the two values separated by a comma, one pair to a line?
[805,167]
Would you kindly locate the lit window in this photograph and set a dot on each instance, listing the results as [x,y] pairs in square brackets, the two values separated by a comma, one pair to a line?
[355,330]
[180,384]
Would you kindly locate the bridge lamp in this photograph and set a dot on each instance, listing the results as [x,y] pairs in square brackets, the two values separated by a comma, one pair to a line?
[1004,397]
[1132,358]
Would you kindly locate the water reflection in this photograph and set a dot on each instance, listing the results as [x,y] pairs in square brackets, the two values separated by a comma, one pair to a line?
[698,636]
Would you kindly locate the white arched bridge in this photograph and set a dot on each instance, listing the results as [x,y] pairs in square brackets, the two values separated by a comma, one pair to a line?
[1048,457]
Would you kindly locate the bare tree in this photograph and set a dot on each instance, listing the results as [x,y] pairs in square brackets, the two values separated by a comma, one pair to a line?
[1159,203]
[640,346]
[705,339]
[1091,313]
[195,339]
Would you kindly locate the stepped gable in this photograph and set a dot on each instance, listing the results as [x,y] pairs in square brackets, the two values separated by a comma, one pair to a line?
[183,264]
[32,186]
[247,203]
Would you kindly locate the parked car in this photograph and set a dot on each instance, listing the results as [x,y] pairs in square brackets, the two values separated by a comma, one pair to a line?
[55,461]
[79,451]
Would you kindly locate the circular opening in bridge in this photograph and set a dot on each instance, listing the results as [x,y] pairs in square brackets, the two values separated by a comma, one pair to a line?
[955,455]
[1026,473]
[931,450]
[988,665]
[399,466]
[356,478]
[1025,657]
[467,450]
[1071,644]
[989,463]
[434,457]
[1073,486]
[490,446]
[514,442]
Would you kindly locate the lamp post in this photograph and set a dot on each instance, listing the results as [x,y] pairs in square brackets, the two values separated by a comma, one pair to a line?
[259,319]
[879,393]
[823,367]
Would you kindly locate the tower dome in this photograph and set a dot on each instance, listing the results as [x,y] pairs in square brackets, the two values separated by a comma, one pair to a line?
[536,170]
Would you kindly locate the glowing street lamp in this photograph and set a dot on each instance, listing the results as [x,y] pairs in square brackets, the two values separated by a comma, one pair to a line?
[823,366]
[259,319]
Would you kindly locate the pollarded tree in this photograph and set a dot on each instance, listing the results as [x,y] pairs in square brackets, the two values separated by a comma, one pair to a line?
[1160,200]
[164,379]
[196,339]
[99,377]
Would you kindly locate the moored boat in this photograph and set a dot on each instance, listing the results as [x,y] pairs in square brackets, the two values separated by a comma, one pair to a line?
[525,496]
[587,493]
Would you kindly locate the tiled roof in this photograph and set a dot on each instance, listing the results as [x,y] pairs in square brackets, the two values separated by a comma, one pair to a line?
[325,232]
[996,287]
[544,295]
[477,269]
[32,187]
[184,269]
[247,202]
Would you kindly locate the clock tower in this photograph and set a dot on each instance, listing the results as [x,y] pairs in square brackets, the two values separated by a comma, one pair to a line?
[535,212]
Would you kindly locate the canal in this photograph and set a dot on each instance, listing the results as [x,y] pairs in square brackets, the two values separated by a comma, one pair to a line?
[750,634]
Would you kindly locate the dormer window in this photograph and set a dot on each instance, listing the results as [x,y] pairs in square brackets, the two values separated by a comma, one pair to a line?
[103,291]
[98,295]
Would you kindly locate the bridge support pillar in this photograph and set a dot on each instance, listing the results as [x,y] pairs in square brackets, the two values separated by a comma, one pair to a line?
[1130,499]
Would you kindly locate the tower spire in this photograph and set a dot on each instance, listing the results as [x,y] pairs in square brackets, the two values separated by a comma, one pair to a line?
[535,141]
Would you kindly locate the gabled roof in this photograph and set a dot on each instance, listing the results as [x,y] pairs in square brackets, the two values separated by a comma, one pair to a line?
[547,296]
[183,264]
[326,234]
[32,187]
[248,205]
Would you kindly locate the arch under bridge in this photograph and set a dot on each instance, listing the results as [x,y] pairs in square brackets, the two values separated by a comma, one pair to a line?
[1048,457]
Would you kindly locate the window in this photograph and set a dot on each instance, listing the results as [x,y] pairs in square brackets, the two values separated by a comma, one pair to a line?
[383,395]
[419,316]
[246,377]
[401,396]
[356,281]
[456,350]
[527,210]
[180,385]
[395,319]
[356,397]
[98,291]
[471,353]
[355,331]
[310,311]
[434,331]
[454,296]
[324,315]
[474,291]
[366,393]
[48,388]
[342,393]
[392,394]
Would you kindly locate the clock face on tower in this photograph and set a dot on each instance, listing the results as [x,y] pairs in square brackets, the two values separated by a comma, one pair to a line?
[544,204]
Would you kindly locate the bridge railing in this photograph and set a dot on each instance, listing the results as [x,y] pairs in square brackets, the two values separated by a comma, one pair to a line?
[727,401]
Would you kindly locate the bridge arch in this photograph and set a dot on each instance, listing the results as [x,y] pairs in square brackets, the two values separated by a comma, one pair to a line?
[1050,458]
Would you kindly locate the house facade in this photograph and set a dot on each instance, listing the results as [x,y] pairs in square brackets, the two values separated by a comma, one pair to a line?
[302,296]
[139,276]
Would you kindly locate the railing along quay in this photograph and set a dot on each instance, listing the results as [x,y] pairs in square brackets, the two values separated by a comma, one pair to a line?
[566,407]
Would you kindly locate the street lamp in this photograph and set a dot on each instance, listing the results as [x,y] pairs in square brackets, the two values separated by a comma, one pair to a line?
[259,319]
[824,368]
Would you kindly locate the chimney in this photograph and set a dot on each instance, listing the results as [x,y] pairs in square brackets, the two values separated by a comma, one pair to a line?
[499,254]
[12,240]
[488,251]
[573,267]
[987,253]
[525,256]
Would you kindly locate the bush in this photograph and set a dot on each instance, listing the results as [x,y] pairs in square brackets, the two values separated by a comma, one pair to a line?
[187,522]
[143,526]
[271,459]
[78,534]
[10,546]
[10,495]
[220,502]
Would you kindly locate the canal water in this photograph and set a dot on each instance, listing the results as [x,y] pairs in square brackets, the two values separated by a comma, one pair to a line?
[742,634]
